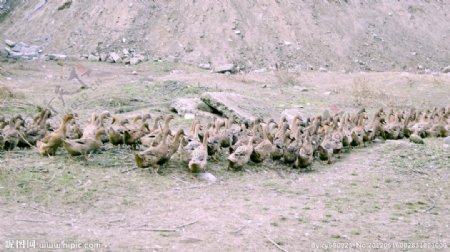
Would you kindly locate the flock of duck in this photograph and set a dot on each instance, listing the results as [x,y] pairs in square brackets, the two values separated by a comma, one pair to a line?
[296,142]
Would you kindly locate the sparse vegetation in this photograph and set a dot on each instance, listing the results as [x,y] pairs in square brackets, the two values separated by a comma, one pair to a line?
[381,181]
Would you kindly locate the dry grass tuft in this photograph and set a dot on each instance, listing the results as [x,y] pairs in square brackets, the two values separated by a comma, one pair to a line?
[286,78]
[6,92]
[365,95]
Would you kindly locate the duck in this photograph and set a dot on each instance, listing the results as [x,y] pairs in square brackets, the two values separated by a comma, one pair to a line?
[154,136]
[241,156]
[358,132]
[226,136]
[199,158]
[291,148]
[11,135]
[96,124]
[74,130]
[189,144]
[214,138]
[306,153]
[243,136]
[84,146]
[132,136]
[438,128]
[3,122]
[2,140]
[90,129]
[326,149]
[422,126]
[376,128]
[394,127]
[51,142]
[154,156]
[116,131]
[279,141]
[176,141]
[264,149]
[337,135]
[295,126]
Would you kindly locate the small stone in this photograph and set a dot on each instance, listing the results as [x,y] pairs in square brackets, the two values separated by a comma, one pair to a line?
[301,89]
[92,57]
[447,142]
[446,69]
[261,70]
[56,56]
[416,139]
[322,69]
[205,66]
[103,57]
[135,61]
[125,51]
[189,116]
[208,177]
[10,43]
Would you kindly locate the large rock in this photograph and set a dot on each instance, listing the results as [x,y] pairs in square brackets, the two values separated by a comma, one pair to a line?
[22,50]
[103,57]
[242,109]
[289,114]
[93,57]
[193,106]
[225,68]
[115,57]
[135,61]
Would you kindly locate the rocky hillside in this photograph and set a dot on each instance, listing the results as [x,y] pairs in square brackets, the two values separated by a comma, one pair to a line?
[337,35]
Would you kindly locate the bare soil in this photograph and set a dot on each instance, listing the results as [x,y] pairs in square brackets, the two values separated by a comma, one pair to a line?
[388,192]
[337,35]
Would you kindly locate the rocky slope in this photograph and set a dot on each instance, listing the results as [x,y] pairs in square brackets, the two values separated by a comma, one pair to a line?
[335,34]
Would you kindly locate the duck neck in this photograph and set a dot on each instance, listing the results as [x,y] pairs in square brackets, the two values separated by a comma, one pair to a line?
[156,124]
[205,140]
[177,139]
[166,123]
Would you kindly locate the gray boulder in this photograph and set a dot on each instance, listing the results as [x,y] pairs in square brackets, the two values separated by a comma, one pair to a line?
[115,57]
[24,51]
[241,109]
[92,57]
[103,57]
[230,68]
[135,61]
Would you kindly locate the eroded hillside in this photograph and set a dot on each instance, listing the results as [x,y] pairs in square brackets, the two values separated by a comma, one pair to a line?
[336,35]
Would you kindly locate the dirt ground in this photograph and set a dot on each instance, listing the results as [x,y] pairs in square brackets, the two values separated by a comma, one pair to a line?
[387,192]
